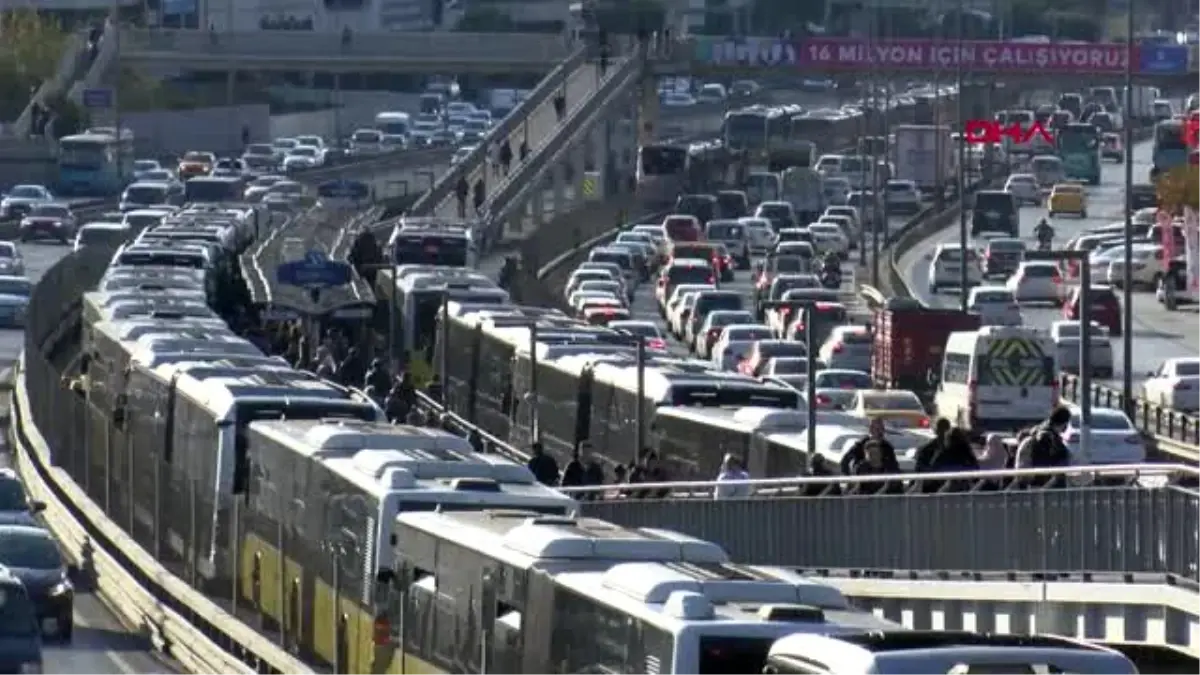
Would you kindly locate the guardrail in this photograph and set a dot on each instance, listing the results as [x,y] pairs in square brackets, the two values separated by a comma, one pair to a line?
[181,622]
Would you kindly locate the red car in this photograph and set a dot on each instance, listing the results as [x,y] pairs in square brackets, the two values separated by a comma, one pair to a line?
[1106,309]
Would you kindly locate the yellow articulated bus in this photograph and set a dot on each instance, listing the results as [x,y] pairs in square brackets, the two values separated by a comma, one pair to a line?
[520,592]
[320,514]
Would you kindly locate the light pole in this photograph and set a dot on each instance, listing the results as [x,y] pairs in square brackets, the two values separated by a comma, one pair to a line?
[810,381]
[1127,285]
[1085,337]
[962,163]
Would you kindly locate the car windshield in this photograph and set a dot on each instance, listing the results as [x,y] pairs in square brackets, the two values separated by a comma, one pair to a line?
[101,236]
[158,174]
[304,151]
[955,254]
[29,550]
[1041,271]
[26,192]
[1103,420]
[197,157]
[993,297]
[1187,368]
[260,149]
[843,380]
[50,211]
[145,165]
[789,366]
[639,329]
[146,194]
[366,136]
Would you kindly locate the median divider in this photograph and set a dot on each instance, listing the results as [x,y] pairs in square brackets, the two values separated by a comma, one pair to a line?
[180,622]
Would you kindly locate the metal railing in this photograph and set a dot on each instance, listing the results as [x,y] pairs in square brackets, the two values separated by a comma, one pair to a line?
[1002,521]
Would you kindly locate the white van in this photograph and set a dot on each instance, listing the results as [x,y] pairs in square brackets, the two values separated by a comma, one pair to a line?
[998,378]
[395,127]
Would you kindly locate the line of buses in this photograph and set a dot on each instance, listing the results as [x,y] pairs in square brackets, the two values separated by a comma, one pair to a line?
[365,546]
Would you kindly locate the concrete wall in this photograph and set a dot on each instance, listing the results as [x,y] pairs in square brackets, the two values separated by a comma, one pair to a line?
[216,129]
[339,122]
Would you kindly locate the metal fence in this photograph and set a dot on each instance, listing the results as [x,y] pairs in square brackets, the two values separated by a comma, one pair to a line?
[1120,529]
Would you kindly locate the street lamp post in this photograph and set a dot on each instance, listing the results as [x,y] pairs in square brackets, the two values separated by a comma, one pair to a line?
[1127,253]
[1085,336]
[810,381]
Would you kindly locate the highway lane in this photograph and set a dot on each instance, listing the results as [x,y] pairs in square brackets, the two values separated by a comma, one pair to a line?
[1157,333]
[100,644]
[539,126]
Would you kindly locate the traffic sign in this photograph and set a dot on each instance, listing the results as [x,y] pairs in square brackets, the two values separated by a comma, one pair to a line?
[315,271]
[344,189]
[98,99]
[1164,58]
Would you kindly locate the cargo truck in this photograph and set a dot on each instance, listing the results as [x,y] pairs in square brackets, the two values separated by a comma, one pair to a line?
[925,155]
[909,340]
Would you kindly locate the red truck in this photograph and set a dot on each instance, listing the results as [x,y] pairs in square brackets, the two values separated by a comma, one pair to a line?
[909,341]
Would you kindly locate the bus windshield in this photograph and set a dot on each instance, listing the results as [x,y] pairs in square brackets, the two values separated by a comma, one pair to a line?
[426,249]
[83,153]
[663,159]
[1169,136]
[1077,138]
[746,128]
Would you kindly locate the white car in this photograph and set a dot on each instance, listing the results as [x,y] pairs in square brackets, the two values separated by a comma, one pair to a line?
[1112,438]
[1036,281]
[902,196]
[311,141]
[668,301]
[828,237]
[257,188]
[1024,188]
[714,323]
[761,234]
[1067,336]
[846,224]
[712,93]
[836,190]
[12,263]
[579,299]
[578,277]
[678,99]
[1147,267]
[736,342]
[617,288]
[366,142]
[847,347]
[995,306]
[108,235]
[864,201]
[22,198]
[1175,385]
[945,269]
[680,310]
[303,157]
[143,166]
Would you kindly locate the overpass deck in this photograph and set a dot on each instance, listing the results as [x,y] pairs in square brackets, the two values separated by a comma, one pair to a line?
[330,52]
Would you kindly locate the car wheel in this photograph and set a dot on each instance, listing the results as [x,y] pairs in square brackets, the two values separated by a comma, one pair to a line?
[66,628]
[1083,215]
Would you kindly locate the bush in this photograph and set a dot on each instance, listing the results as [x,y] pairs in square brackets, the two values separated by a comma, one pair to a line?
[69,118]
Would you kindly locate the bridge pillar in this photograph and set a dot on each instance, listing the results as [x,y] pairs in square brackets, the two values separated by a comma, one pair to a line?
[601,143]
[558,178]
[578,160]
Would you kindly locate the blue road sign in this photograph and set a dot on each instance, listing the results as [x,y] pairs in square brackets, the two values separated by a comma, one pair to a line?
[344,189]
[1164,58]
[314,271]
[98,99]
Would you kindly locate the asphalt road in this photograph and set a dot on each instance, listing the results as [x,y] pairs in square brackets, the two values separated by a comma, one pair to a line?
[1157,333]
[100,644]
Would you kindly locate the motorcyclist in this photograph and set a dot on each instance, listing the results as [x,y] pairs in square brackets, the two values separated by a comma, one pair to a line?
[831,264]
[1044,232]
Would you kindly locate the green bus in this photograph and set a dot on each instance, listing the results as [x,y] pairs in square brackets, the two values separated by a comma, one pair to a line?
[1078,145]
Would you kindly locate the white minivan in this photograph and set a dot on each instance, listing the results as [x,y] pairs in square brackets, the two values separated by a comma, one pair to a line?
[997,378]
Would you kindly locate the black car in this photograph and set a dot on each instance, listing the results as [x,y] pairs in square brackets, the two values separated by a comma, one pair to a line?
[31,555]
[1143,196]
[20,634]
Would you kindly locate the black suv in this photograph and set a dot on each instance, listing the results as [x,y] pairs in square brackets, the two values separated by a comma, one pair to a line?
[995,211]
[31,555]
[20,634]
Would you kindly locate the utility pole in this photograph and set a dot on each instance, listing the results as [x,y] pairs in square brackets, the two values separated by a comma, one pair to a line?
[1127,282]
[962,164]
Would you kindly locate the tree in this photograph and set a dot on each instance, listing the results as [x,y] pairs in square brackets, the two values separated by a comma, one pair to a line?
[69,118]
[30,48]
[1180,189]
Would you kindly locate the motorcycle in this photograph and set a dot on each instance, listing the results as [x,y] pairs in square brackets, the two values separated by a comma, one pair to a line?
[831,279]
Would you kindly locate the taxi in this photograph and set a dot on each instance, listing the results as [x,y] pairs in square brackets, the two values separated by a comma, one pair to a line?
[900,408]
[195,164]
[1067,198]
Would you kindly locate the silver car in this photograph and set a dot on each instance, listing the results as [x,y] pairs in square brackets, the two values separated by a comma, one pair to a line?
[1067,335]
[1023,187]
